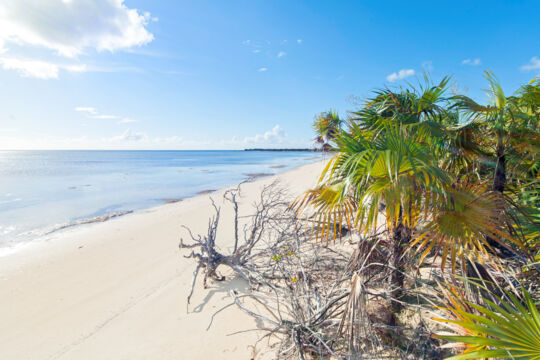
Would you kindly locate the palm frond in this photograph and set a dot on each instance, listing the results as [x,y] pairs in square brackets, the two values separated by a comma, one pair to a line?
[508,329]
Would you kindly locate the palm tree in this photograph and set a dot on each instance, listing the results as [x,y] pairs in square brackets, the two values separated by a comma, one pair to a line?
[449,178]
[395,155]
[327,125]
[509,126]
[508,133]
[384,159]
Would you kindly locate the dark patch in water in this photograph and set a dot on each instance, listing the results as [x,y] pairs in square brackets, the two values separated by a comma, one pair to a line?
[253,176]
[204,192]
[172,201]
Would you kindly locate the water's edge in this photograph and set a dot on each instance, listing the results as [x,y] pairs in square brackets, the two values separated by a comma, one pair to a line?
[45,233]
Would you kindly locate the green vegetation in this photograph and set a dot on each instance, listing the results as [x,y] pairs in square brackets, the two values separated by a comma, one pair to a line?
[327,126]
[449,180]
[508,329]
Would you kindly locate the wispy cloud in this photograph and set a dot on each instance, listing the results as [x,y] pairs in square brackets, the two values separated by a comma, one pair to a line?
[127,121]
[92,112]
[533,64]
[255,43]
[105,117]
[472,62]
[86,109]
[263,69]
[130,135]
[281,54]
[401,74]
[38,69]
[299,41]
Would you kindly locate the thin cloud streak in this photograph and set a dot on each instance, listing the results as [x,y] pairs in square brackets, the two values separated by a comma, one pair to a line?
[92,113]
[472,62]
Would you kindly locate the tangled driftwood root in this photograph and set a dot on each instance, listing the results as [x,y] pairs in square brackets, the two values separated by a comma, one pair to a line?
[313,301]
[267,219]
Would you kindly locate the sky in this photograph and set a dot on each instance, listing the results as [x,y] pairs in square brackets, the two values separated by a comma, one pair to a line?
[175,74]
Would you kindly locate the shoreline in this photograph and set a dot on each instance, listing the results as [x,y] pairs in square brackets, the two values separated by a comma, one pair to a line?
[118,289]
[49,232]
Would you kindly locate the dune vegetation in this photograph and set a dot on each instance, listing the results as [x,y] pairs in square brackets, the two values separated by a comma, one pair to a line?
[452,179]
[421,239]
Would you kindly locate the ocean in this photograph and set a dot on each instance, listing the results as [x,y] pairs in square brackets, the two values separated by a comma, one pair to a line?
[42,192]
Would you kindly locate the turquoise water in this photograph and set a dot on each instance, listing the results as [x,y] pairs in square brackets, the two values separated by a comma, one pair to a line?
[43,191]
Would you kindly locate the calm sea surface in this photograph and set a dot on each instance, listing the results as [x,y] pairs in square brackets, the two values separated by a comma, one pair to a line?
[43,191]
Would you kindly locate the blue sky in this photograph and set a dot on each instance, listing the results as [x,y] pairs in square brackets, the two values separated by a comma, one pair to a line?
[113,74]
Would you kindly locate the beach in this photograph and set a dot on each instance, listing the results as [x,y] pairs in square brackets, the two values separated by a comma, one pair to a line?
[42,192]
[117,289]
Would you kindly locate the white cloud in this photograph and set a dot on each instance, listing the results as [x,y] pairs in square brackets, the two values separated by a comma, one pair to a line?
[105,117]
[272,137]
[93,113]
[129,135]
[281,54]
[471,62]
[263,69]
[127,121]
[533,64]
[255,45]
[299,41]
[71,27]
[401,74]
[31,68]
[89,110]
[38,69]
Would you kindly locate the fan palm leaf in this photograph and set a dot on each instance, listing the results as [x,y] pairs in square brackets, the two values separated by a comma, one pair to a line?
[509,329]
[460,222]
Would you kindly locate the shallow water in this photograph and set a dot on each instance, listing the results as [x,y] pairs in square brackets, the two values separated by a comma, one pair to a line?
[43,191]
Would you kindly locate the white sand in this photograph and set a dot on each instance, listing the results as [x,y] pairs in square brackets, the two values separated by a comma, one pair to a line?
[117,290]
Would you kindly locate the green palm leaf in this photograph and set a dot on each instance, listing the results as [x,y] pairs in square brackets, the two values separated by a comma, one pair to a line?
[510,329]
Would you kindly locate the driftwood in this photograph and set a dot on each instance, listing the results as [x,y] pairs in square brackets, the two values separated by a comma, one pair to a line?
[310,300]
[268,213]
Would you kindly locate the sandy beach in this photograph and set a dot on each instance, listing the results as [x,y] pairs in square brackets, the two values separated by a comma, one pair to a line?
[117,289]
